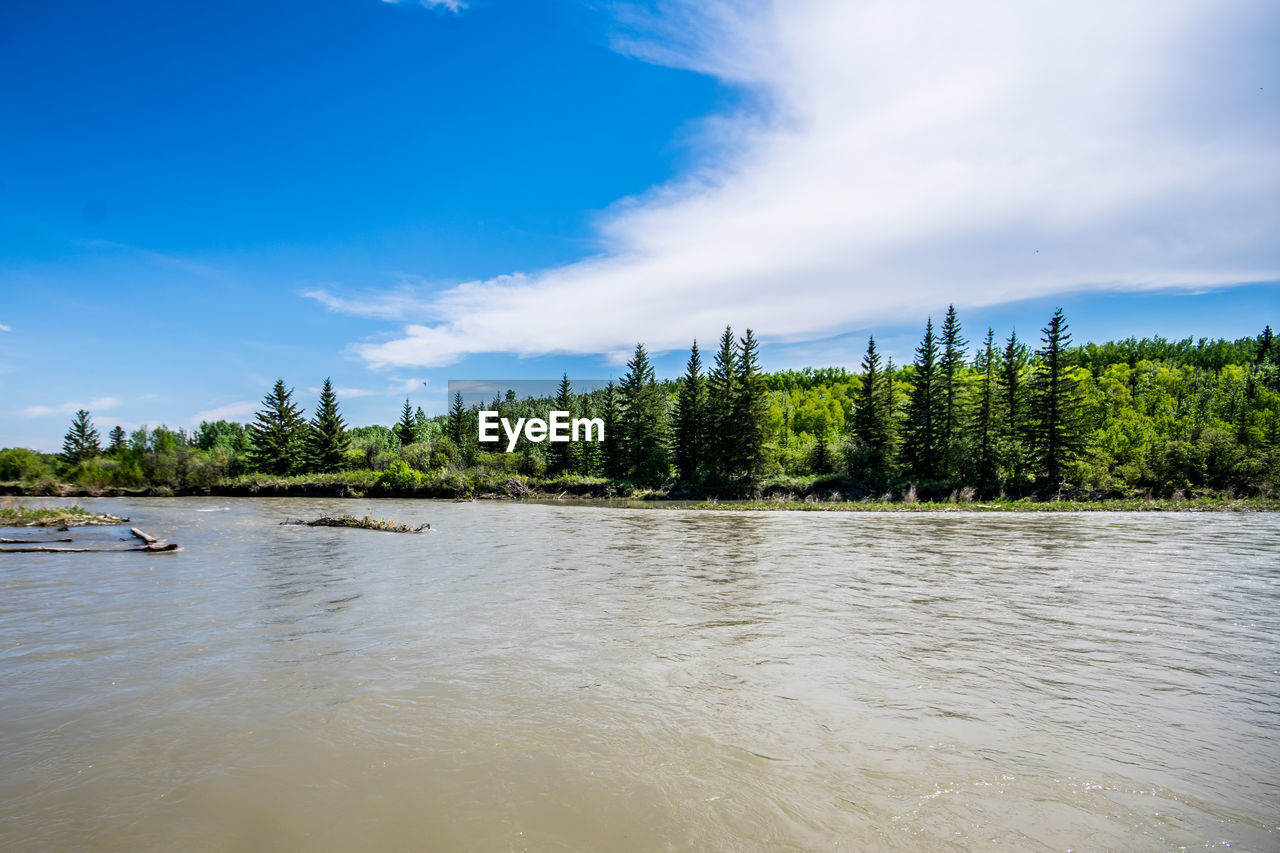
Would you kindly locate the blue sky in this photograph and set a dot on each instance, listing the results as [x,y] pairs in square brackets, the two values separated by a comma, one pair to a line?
[198,198]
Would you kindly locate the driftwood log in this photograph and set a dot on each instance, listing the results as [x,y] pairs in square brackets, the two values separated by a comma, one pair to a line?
[151,545]
[146,549]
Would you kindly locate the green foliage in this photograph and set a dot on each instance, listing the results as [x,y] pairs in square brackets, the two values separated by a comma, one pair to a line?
[81,441]
[722,391]
[407,429]
[873,419]
[644,422]
[922,449]
[277,433]
[327,441]
[19,463]
[399,478]
[1057,434]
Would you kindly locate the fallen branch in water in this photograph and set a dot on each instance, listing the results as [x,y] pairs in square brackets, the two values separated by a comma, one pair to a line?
[152,548]
[31,541]
[366,523]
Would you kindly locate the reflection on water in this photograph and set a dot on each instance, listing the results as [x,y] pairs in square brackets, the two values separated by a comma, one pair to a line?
[581,678]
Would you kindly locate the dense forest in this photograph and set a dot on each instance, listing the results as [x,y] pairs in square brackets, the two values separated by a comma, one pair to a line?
[1006,417]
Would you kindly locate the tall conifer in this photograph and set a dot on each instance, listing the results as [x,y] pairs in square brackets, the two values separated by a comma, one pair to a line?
[691,417]
[871,417]
[750,410]
[457,420]
[406,430]
[950,365]
[722,390]
[327,439]
[277,433]
[984,420]
[561,452]
[1055,402]
[81,441]
[644,427]
[922,450]
[611,460]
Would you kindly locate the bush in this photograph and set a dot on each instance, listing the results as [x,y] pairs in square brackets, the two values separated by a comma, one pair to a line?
[399,478]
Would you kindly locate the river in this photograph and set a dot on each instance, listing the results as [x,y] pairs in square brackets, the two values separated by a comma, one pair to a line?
[578,678]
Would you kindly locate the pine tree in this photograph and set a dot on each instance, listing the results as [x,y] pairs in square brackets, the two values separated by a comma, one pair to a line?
[81,441]
[327,439]
[949,366]
[457,420]
[890,415]
[926,408]
[984,420]
[277,433]
[871,418]
[643,420]
[119,440]
[690,420]
[562,451]
[406,430]
[611,448]
[1055,403]
[750,410]
[1264,346]
[722,390]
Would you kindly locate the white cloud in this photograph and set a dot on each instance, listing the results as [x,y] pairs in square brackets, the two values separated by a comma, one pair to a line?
[100,404]
[390,305]
[454,6]
[4,328]
[904,156]
[229,412]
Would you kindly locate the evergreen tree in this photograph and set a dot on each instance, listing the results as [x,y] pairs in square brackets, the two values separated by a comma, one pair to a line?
[277,433]
[1264,346]
[926,409]
[750,410]
[457,420]
[406,430]
[1014,427]
[691,417]
[949,366]
[1055,404]
[722,390]
[119,440]
[984,420]
[81,441]
[890,414]
[587,455]
[327,439]
[562,452]
[871,418]
[611,448]
[643,421]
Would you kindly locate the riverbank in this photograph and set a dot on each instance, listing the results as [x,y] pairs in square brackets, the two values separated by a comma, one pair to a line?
[831,494]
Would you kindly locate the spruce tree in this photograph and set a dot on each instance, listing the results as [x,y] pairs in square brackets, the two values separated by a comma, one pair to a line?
[871,418]
[722,390]
[587,453]
[1013,425]
[406,429]
[1055,403]
[949,367]
[119,440]
[562,452]
[277,433]
[81,441]
[457,420]
[750,410]
[890,415]
[926,408]
[611,448]
[1264,346]
[984,420]
[690,420]
[643,420]
[327,439]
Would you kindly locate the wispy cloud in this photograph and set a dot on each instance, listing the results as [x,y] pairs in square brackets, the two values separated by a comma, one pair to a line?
[402,302]
[229,412]
[100,404]
[157,258]
[454,6]
[898,157]
[4,328]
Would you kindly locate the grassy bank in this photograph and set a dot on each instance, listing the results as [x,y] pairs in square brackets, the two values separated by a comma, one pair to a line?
[22,515]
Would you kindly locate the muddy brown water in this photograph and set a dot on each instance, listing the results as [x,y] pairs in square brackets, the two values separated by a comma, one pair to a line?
[537,677]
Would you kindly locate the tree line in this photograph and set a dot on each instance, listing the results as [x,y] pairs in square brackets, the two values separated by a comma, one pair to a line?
[1136,414]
